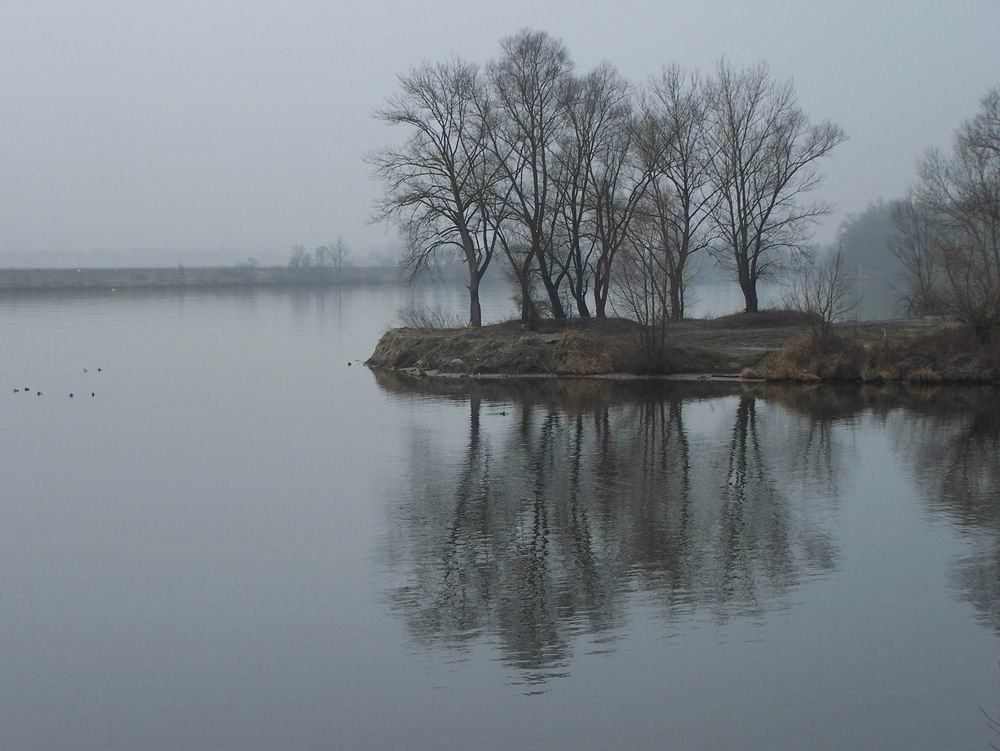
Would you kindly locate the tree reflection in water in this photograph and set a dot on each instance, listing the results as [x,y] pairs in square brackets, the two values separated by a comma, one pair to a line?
[583,501]
[949,437]
[953,445]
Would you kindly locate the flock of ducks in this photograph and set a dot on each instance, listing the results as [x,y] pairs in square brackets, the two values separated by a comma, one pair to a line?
[27,389]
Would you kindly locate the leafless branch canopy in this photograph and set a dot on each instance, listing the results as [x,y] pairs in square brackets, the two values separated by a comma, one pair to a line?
[440,185]
[950,228]
[565,172]
[764,153]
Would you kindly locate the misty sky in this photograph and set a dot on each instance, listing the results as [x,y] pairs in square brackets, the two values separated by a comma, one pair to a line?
[198,125]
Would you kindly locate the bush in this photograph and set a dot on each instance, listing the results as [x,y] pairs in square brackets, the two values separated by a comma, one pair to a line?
[422,317]
[813,356]
[639,354]
[951,354]
[924,375]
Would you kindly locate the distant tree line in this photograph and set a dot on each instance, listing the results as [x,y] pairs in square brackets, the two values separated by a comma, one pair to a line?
[590,188]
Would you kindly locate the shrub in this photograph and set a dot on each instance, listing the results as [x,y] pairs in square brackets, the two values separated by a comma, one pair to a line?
[422,317]
[924,375]
[815,356]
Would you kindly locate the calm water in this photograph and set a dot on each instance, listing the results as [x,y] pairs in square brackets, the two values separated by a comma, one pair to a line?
[242,543]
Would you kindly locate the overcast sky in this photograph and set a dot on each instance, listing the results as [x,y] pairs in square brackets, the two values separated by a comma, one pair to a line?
[200,125]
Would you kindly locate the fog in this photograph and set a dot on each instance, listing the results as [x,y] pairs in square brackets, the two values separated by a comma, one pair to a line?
[188,133]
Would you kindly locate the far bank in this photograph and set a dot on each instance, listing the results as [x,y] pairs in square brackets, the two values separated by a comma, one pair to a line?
[26,280]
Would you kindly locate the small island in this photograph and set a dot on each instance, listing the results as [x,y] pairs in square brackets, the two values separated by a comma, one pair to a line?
[773,345]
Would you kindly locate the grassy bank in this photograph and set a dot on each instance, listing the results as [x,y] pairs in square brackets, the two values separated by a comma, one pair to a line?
[21,280]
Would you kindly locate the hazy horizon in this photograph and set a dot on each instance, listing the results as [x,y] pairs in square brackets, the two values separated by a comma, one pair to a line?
[240,130]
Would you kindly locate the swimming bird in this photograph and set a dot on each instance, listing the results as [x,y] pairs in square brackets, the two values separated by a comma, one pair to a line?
[98,370]
[70,396]
[38,393]
[91,393]
[16,390]
[84,370]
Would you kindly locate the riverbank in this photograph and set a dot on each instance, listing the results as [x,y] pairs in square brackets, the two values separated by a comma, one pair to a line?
[770,345]
[27,280]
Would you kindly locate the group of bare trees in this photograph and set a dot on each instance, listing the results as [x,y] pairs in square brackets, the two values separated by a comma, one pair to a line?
[592,189]
[333,255]
[948,229]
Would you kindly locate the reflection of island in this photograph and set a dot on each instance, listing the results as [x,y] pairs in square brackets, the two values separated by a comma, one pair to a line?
[954,449]
[572,507]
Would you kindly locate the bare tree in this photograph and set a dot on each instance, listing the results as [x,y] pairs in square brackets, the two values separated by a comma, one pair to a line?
[916,246]
[592,105]
[681,197]
[620,179]
[524,127]
[982,133]
[960,192]
[439,184]
[592,169]
[300,258]
[642,289]
[338,253]
[825,291]
[321,256]
[764,161]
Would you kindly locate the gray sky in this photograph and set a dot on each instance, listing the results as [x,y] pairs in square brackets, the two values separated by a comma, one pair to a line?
[195,125]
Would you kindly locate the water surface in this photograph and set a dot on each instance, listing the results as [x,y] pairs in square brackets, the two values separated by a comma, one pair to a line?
[242,543]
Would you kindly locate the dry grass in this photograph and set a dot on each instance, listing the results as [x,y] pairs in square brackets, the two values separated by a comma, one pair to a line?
[776,318]
[809,357]
[924,375]
[947,355]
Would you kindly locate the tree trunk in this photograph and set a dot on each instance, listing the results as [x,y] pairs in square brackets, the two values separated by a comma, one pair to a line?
[600,304]
[558,311]
[750,295]
[475,309]
[475,276]
[552,290]
[528,312]
[580,296]
[600,292]
[676,298]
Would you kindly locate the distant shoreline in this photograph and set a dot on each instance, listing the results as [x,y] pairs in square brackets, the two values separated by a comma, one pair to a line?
[48,280]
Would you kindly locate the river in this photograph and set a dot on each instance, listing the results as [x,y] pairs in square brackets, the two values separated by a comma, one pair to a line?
[242,541]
